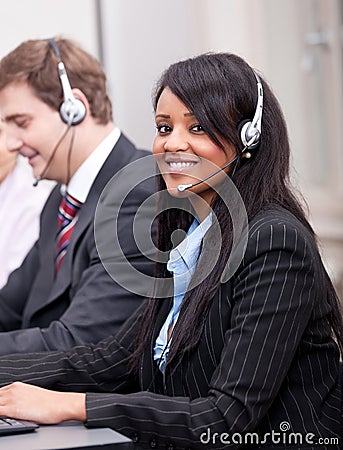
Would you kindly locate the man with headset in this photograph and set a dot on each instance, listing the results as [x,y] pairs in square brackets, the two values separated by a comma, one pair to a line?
[53,98]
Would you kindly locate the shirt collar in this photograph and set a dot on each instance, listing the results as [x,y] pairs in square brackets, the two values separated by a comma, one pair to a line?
[83,179]
[185,255]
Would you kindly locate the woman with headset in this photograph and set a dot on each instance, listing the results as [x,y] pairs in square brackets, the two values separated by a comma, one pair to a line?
[240,343]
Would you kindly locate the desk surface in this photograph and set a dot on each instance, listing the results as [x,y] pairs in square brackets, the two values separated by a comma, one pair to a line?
[68,435]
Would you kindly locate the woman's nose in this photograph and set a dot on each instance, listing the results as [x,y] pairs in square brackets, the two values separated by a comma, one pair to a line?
[176,143]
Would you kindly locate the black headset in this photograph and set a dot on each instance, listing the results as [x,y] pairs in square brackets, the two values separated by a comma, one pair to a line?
[250,130]
[72,110]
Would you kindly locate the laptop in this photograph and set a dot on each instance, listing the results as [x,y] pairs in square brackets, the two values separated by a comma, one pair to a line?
[13,426]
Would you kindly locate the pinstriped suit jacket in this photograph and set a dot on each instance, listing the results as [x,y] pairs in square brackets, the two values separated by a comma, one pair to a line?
[266,361]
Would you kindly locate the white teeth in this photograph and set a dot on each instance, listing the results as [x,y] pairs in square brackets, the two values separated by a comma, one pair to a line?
[180,165]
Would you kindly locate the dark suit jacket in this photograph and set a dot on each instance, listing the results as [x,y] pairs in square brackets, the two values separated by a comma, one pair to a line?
[83,304]
[266,361]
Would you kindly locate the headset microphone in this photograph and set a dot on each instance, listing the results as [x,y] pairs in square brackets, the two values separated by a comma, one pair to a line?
[37,180]
[47,165]
[183,187]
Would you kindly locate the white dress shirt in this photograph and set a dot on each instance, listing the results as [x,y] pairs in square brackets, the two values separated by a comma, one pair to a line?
[83,179]
[20,208]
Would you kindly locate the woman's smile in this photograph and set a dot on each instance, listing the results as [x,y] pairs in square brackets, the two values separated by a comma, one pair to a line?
[179,164]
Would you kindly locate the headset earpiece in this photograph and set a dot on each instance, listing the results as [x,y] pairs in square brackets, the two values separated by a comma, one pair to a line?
[250,136]
[250,130]
[72,110]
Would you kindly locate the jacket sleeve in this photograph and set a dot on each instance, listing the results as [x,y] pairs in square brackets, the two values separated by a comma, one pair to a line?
[101,367]
[14,294]
[273,295]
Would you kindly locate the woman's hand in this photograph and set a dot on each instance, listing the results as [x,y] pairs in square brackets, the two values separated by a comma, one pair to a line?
[27,402]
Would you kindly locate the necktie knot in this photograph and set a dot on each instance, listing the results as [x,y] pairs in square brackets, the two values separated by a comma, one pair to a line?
[68,209]
[67,218]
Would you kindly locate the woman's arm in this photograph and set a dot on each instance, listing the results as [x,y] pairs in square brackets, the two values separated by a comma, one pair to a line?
[101,367]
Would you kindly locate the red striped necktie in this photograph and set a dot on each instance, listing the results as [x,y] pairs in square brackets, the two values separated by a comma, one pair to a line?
[67,218]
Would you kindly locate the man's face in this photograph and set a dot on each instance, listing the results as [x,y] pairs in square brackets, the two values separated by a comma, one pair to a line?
[33,130]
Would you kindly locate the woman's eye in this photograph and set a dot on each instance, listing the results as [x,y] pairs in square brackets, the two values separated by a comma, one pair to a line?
[162,129]
[197,128]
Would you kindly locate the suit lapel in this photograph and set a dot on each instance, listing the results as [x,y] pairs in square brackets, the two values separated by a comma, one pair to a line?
[49,228]
[150,374]
[121,155]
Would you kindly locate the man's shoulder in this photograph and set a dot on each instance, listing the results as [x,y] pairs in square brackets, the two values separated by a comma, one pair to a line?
[129,149]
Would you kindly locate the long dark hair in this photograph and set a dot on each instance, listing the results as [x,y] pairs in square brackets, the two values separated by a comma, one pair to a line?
[220,90]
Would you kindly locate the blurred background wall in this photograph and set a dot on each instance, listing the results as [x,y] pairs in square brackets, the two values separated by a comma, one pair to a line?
[296,45]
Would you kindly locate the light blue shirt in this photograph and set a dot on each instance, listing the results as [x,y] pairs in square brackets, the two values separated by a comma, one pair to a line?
[181,264]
